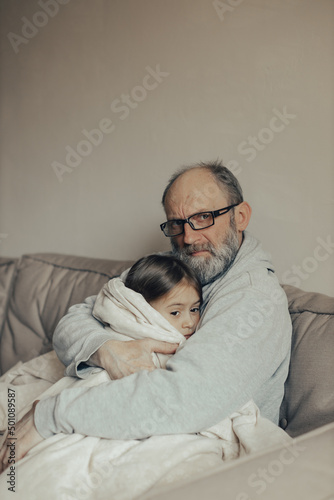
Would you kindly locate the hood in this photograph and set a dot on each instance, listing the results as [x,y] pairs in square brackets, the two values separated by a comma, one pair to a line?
[250,256]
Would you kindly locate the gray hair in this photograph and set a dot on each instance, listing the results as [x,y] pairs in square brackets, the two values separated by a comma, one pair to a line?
[227,181]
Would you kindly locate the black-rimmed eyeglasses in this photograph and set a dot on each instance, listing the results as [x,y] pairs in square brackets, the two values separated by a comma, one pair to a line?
[202,220]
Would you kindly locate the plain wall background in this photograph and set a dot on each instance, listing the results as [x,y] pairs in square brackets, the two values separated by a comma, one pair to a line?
[229,68]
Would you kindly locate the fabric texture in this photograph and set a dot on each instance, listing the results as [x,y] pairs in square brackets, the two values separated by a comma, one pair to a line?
[7,270]
[43,287]
[70,464]
[309,396]
[128,316]
[309,389]
[305,468]
[240,351]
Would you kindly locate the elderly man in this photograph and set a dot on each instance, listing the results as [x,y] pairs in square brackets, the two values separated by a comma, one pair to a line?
[240,351]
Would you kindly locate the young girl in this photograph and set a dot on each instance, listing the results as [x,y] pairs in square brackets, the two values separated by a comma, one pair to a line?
[158,298]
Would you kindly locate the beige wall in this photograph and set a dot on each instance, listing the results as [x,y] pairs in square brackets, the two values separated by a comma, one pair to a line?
[228,71]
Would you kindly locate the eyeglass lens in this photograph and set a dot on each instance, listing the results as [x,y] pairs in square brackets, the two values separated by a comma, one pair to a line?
[197,221]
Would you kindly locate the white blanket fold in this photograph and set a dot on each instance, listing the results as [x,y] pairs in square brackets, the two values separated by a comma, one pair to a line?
[75,466]
[129,317]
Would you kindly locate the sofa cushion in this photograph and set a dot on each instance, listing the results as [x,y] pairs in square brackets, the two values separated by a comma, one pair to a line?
[44,287]
[309,389]
[7,268]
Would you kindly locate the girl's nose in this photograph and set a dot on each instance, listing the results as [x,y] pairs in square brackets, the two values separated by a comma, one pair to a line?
[189,322]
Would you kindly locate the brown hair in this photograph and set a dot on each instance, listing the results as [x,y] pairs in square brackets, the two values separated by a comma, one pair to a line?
[155,275]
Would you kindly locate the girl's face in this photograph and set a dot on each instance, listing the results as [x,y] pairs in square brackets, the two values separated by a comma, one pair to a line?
[180,307]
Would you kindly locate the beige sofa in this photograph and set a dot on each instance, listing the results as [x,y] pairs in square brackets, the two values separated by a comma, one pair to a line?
[36,291]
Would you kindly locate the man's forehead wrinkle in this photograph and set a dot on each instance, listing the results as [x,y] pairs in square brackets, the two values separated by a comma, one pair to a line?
[194,191]
[172,205]
[195,200]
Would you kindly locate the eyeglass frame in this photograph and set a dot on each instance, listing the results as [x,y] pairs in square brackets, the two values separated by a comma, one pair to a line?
[214,214]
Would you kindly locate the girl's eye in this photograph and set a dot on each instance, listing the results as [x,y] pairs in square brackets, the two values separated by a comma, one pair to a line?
[175,313]
[194,310]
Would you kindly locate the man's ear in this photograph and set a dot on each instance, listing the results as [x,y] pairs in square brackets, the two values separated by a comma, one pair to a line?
[242,215]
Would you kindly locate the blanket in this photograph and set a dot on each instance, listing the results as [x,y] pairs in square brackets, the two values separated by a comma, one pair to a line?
[128,316]
[68,467]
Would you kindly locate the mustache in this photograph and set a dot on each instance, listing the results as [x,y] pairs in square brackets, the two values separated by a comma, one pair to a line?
[190,249]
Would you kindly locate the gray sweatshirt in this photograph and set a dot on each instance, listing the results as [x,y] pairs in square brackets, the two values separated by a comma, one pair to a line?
[240,351]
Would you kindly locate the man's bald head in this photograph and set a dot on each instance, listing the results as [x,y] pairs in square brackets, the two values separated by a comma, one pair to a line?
[222,176]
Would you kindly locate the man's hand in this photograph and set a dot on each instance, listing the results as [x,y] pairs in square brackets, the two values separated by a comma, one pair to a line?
[25,438]
[121,358]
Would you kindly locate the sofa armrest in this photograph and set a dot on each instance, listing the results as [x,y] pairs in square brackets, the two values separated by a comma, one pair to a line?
[43,287]
[7,270]
[308,401]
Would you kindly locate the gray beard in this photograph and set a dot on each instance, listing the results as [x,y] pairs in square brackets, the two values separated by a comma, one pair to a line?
[221,258]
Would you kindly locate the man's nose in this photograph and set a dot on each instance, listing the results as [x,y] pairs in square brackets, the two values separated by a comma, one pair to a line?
[190,236]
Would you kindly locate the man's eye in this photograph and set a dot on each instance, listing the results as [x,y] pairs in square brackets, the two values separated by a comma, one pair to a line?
[175,313]
[201,217]
[176,223]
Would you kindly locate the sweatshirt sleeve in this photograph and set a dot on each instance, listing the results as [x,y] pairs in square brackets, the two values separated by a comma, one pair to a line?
[77,336]
[240,352]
